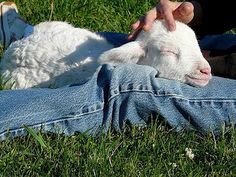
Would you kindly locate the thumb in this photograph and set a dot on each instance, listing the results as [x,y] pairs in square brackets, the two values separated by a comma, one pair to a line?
[184,12]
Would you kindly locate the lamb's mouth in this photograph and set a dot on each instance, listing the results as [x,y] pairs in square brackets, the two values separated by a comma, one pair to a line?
[197,80]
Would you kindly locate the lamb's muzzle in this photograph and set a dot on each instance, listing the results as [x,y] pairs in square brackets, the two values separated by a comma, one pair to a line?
[202,78]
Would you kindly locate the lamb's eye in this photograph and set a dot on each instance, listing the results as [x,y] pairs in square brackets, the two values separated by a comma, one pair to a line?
[169,51]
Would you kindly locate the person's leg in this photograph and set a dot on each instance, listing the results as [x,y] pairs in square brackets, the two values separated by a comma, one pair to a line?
[63,110]
[135,93]
[116,39]
[114,96]
[221,54]
[223,65]
[12,25]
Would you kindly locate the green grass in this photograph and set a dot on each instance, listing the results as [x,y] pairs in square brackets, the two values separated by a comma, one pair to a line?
[153,151]
[97,15]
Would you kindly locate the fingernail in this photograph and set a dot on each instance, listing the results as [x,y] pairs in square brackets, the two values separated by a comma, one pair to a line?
[130,37]
[146,27]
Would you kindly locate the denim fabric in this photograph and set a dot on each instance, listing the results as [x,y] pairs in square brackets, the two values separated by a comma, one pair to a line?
[116,39]
[223,44]
[218,42]
[114,96]
[128,93]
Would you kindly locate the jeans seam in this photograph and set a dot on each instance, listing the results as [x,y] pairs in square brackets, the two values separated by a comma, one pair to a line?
[173,96]
[155,93]
[101,104]
[37,125]
[210,99]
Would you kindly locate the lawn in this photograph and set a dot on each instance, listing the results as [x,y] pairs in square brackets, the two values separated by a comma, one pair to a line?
[156,150]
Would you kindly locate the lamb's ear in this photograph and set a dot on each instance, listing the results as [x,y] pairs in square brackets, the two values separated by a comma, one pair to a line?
[127,53]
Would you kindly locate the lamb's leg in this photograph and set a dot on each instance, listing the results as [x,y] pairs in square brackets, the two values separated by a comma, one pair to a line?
[127,53]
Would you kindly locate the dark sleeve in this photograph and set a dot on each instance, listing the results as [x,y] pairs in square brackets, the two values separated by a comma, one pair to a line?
[217,17]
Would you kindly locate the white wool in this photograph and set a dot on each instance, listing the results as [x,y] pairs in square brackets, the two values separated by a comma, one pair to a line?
[58,54]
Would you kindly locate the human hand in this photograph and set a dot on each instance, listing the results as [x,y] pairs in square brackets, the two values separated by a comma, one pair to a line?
[168,10]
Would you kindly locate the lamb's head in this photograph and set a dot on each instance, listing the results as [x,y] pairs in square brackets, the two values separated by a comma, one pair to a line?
[176,55]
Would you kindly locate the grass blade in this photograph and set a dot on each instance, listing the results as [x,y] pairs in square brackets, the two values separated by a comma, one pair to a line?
[38,137]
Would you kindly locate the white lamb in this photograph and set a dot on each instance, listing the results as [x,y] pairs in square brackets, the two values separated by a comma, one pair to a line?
[58,54]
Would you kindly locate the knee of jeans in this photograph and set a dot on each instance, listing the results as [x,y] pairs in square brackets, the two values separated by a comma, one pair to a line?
[126,74]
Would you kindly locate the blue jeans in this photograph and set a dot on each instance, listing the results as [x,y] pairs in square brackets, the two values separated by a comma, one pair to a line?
[113,97]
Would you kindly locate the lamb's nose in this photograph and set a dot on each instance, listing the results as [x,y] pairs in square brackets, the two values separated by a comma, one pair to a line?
[206,71]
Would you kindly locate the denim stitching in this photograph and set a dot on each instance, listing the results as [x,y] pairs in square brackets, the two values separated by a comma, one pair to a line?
[39,125]
[145,88]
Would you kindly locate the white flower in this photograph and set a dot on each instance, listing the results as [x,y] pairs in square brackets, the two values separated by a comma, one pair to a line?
[189,153]
[174,165]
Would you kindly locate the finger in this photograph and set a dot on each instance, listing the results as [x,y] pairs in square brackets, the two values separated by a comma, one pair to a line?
[135,25]
[186,8]
[168,16]
[138,24]
[133,35]
[184,12]
[150,17]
